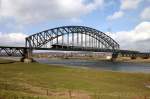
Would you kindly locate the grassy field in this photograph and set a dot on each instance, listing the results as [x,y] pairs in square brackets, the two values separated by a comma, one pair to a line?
[40,81]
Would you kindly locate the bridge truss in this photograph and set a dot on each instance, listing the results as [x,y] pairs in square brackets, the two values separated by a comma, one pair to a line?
[78,36]
[12,51]
[70,38]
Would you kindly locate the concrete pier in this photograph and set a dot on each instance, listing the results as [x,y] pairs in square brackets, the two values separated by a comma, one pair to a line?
[133,57]
[27,56]
[112,57]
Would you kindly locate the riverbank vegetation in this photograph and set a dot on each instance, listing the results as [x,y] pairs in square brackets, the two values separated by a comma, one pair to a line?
[40,81]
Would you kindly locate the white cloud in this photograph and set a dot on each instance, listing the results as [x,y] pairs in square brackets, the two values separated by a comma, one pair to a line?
[28,11]
[76,20]
[125,5]
[146,14]
[129,4]
[136,39]
[116,15]
[12,39]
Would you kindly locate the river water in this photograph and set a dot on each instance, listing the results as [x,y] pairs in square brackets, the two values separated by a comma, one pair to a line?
[101,65]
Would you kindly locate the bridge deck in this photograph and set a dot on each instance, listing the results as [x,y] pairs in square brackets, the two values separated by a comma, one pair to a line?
[19,51]
[72,48]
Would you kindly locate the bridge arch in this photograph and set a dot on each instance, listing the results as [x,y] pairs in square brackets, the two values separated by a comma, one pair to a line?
[77,33]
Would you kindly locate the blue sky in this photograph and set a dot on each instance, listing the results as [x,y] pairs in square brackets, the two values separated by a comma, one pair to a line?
[20,18]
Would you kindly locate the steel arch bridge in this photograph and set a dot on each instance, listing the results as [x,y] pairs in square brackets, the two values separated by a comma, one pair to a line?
[71,37]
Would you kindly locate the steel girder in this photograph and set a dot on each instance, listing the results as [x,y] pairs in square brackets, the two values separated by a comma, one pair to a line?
[12,51]
[23,51]
[39,39]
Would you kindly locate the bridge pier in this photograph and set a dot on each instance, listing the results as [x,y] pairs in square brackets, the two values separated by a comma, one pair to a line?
[27,56]
[114,56]
[133,57]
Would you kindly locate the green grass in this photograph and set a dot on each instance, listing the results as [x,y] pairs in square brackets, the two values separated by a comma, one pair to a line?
[41,81]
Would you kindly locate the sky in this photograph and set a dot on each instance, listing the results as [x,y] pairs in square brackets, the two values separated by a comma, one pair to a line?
[126,21]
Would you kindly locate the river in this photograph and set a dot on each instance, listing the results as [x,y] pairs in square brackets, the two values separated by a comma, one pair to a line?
[100,65]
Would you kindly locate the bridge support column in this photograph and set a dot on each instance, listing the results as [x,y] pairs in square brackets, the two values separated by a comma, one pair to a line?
[133,57]
[145,57]
[27,56]
[114,56]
